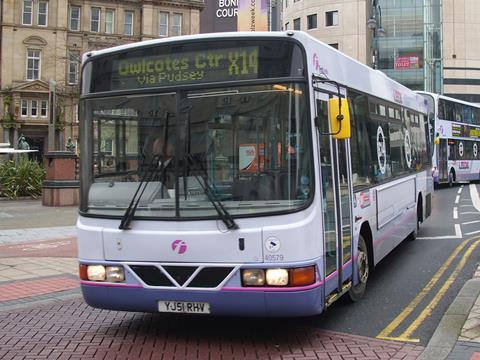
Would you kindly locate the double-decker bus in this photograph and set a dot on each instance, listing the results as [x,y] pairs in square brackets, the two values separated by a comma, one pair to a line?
[456,137]
[292,170]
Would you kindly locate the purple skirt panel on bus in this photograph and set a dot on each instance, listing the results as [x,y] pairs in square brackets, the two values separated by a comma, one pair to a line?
[224,302]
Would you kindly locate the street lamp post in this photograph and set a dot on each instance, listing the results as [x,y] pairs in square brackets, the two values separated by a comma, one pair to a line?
[374,23]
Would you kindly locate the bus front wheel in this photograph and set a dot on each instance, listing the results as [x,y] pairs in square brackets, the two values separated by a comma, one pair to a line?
[363,267]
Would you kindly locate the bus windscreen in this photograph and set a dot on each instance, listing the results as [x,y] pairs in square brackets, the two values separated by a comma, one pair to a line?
[193,63]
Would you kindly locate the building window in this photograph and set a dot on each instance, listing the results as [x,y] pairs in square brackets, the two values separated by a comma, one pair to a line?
[95,20]
[108,146]
[33,64]
[109,21]
[34,108]
[24,108]
[334,45]
[44,108]
[331,18]
[27,12]
[75,18]
[177,24]
[163,23]
[42,19]
[128,23]
[296,24]
[73,65]
[312,21]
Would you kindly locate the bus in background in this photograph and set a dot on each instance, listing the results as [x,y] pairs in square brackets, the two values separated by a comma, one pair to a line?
[455,129]
[258,174]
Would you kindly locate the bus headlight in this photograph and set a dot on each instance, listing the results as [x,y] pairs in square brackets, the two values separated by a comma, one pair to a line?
[277,277]
[102,273]
[289,277]
[114,273]
[96,272]
[253,277]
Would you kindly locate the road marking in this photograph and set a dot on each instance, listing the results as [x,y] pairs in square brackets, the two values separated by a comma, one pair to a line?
[455,213]
[475,197]
[390,328]
[457,199]
[460,190]
[469,213]
[471,222]
[473,232]
[458,235]
[431,306]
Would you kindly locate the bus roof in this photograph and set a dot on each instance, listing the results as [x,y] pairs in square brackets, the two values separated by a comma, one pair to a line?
[185,38]
[440,96]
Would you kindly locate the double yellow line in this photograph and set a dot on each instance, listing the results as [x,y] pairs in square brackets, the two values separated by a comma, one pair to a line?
[386,333]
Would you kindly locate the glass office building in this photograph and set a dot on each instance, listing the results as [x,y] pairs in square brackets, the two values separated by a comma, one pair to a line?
[406,42]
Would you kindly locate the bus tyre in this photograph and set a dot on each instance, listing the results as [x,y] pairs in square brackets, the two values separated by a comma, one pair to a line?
[451,178]
[363,267]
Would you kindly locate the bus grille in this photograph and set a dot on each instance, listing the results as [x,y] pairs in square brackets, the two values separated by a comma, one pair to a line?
[183,276]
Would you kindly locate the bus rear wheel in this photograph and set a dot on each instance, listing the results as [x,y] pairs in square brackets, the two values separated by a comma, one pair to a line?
[451,178]
[356,292]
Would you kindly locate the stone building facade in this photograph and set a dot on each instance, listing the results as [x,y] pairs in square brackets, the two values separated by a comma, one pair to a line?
[341,24]
[461,49]
[41,44]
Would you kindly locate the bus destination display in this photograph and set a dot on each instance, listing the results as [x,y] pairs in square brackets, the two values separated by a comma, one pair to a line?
[187,67]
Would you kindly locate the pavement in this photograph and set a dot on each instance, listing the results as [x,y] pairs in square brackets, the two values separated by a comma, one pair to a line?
[42,314]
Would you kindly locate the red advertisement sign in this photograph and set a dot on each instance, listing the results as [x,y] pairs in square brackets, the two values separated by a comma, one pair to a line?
[406,62]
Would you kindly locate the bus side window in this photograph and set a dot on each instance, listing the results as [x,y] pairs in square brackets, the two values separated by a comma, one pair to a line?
[360,146]
[380,144]
[441,109]
[449,110]
[397,150]
[452,150]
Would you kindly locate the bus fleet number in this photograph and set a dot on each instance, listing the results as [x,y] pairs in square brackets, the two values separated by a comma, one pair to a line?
[274,258]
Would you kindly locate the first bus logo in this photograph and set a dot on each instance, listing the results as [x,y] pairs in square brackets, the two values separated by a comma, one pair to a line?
[179,247]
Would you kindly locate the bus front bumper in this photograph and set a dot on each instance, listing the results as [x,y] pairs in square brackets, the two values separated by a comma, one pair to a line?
[225,302]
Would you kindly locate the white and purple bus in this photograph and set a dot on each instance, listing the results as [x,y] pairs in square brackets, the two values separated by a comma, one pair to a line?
[456,133]
[292,170]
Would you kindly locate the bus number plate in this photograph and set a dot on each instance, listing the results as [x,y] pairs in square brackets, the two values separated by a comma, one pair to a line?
[188,307]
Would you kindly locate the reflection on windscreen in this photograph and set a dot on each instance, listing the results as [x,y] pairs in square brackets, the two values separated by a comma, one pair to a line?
[247,147]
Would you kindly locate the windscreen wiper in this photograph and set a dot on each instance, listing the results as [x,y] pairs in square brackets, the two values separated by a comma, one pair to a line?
[149,175]
[132,207]
[222,212]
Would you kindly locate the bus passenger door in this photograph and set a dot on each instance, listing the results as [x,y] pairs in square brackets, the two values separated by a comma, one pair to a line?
[336,192]
[442,160]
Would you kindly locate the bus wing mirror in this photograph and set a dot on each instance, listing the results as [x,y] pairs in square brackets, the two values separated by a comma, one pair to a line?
[339,114]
